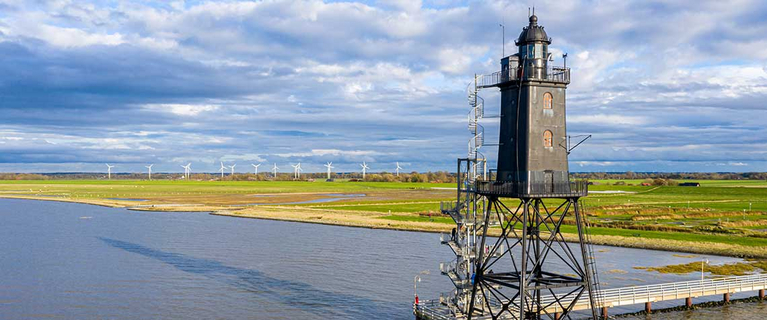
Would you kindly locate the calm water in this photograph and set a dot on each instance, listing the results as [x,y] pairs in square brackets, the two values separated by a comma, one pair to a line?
[74,261]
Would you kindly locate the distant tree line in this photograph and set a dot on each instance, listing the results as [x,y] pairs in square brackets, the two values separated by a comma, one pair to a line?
[672,175]
[23,176]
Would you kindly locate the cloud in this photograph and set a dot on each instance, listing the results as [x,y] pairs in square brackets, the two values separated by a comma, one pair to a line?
[326,152]
[181,109]
[614,119]
[660,86]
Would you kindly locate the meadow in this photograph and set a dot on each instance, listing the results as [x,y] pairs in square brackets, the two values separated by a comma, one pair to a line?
[729,213]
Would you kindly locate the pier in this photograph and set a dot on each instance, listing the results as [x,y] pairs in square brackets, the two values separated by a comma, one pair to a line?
[615,297]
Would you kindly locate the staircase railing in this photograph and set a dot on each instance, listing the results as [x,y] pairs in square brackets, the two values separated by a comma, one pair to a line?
[592,261]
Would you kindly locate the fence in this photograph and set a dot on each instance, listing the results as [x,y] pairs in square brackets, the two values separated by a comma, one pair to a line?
[553,74]
[577,188]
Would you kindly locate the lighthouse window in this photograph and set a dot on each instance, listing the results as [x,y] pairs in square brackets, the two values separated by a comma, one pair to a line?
[530,51]
[538,51]
[547,100]
[547,139]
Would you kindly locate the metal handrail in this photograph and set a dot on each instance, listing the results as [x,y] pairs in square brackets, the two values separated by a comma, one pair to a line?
[553,74]
[695,286]
[578,188]
[673,290]
[448,206]
[428,308]
[637,294]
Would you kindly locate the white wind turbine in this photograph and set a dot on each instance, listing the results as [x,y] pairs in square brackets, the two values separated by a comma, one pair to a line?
[299,170]
[255,168]
[150,170]
[274,170]
[187,170]
[398,169]
[364,169]
[109,171]
[329,166]
[232,167]
[222,170]
[295,170]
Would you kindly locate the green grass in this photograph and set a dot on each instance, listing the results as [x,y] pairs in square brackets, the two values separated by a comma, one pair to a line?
[138,188]
[733,269]
[681,236]
[438,219]
[383,207]
[703,183]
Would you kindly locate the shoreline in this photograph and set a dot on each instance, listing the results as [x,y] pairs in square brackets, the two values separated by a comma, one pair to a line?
[667,245]
[375,220]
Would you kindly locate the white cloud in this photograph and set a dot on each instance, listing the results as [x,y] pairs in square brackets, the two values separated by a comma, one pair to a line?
[71,37]
[607,119]
[243,157]
[329,152]
[181,109]
[454,60]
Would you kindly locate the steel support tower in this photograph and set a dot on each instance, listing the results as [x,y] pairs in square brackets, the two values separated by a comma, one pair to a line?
[512,259]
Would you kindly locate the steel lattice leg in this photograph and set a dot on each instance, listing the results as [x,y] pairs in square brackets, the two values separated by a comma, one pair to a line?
[514,274]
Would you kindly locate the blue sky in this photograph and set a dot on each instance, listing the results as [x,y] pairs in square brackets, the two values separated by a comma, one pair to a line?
[677,86]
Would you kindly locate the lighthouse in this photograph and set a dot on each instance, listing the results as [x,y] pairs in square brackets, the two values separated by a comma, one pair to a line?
[511,259]
[532,152]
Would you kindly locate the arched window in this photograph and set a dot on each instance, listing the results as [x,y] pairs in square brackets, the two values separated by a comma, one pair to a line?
[547,139]
[547,100]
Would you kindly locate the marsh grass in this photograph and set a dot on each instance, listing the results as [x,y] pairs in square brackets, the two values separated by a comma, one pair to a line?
[732,269]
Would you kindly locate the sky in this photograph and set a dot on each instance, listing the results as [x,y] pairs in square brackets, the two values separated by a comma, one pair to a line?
[660,85]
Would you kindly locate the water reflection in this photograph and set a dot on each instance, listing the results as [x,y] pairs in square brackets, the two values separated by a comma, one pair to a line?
[294,293]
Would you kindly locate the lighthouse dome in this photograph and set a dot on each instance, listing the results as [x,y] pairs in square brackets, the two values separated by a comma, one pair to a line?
[533,33]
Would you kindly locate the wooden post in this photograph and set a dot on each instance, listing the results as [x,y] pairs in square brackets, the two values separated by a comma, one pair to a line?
[648,307]
[727,297]
[761,294]
[604,312]
[556,315]
[688,302]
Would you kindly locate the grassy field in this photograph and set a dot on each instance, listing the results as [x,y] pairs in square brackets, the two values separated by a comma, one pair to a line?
[710,214]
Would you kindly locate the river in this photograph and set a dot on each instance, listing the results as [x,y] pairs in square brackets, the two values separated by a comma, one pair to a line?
[75,261]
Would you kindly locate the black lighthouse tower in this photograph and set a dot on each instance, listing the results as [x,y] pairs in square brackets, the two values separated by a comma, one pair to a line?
[532,151]
[512,259]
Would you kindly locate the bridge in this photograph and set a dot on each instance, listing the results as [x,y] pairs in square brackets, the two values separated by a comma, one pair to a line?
[616,297]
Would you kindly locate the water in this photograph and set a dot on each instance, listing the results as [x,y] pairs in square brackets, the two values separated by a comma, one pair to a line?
[121,264]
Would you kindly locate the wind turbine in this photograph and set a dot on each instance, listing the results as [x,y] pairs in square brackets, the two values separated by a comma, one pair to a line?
[109,171]
[150,170]
[255,167]
[232,167]
[299,170]
[295,170]
[329,166]
[398,169]
[274,170]
[222,170]
[187,170]
[364,169]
